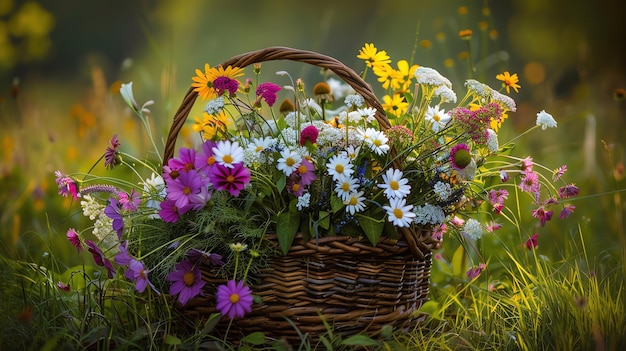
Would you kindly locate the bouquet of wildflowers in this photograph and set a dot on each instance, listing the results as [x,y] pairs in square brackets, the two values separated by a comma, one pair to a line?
[319,163]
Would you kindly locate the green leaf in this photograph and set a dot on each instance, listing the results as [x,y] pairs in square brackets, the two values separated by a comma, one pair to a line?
[256,338]
[324,220]
[336,204]
[359,340]
[373,228]
[459,262]
[433,309]
[281,183]
[172,340]
[287,224]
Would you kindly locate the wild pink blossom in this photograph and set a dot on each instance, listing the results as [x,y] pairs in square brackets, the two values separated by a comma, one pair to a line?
[234,299]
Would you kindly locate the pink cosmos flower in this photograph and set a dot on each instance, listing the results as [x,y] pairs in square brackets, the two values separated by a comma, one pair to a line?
[306,171]
[66,185]
[566,211]
[186,281]
[530,183]
[110,155]
[527,164]
[558,173]
[185,161]
[542,215]
[234,299]
[130,202]
[475,271]
[232,179]
[74,239]
[205,158]
[568,191]
[99,257]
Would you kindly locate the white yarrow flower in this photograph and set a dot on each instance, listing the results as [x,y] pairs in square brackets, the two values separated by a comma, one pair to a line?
[429,76]
[473,229]
[492,140]
[545,120]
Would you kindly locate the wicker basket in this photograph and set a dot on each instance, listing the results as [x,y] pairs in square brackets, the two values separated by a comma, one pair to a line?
[354,286]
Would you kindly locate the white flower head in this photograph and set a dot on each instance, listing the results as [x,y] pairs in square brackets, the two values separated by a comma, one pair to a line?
[354,100]
[428,214]
[288,162]
[473,229]
[377,141]
[303,201]
[228,153]
[395,186]
[505,100]
[214,106]
[355,202]
[492,140]
[339,165]
[443,190]
[545,120]
[429,76]
[438,117]
[345,185]
[478,88]
[399,213]
[445,94]
[339,89]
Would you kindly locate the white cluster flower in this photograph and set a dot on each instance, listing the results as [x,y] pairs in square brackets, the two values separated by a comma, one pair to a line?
[91,207]
[445,94]
[303,201]
[443,190]
[329,136]
[354,100]
[492,140]
[295,118]
[545,120]
[429,214]
[214,106]
[103,230]
[429,76]
[472,229]
[478,88]
[506,100]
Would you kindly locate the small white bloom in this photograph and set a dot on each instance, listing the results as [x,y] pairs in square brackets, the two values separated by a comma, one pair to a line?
[303,201]
[472,229]
[355,202]
[126,90]
[312,105]
[545,120]
[395,186]
[339,89]
[288,162]
[478,88]
[505,100]
[367,113]
[354,100]
[214,106]
[429,76]
[339,165]
[399,213]
[492,140]
[445,94]
[228,153]
[238,247]
[427,214]
[352,151]
[443,190]
[438,117]
[377,141]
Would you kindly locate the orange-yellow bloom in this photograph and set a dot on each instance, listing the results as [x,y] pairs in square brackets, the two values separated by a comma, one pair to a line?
[203,81]
[372,56]
[509,81]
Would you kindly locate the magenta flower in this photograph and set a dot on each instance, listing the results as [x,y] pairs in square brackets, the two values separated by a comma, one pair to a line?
[309,134]
[460,157]
[186,281]
[531,243]
[99,257]
[527,164]
[188,189]
[542,215]
[496,198]
[566,211]
[232,179]
[530,183]
[568,191]
[306,170]
[223,84]
[234,299]
[204,157]
[439,231]
[169,212]
[112,210]
[268,91]
[130,202]
[493,226]
[111,156]
[475,271]
[63,287]
[558,173]
[185,162]
[74,239]
[66,185]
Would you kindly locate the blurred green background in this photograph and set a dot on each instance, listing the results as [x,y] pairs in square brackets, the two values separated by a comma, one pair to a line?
[61,63]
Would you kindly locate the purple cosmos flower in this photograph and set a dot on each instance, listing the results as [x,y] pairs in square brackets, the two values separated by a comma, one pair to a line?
[204,157]
[223,84]
[496,198]
[530,183]
[169,212]
[185,161]
[99,257]
[460,157]
[232,179]
[566,211]
[268,91]
[568,191]
[122,258]
[186,281]
[199,256]
[309,134]
[542,215]
[234,299]
[475,271]
[306,170]
[531,243]
[130,202]
[112,210]
[73,238]
[188,189]
[111,157]
[138,273]
[66,185]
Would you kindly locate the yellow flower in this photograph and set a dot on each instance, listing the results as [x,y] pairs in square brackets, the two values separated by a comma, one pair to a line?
[404,74]
[385,74]
[396,105]
[203,81]
[372,56]
[509,81]
[210,125]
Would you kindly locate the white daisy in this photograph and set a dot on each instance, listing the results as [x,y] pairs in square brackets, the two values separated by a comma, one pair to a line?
[545,120]
[399,213]
[228,153]
[438,117]
[367,113]
[395,186]
[345,185]
[339,165]
[288,162]
[377,140]
[355,202]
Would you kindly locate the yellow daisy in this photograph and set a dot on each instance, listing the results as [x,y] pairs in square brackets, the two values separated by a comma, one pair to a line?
[372,56]
[203,81]
[396,105]
[509,81]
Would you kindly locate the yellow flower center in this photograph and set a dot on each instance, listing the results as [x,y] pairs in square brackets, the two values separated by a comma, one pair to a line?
[339,168]
[227,159]
[345,186]
[436,118]
[295,187]
[234,298]
[210,160]
[230,179]
[398,213]
[186,190]
[377,142]
[259,149]
[290,162]
[189,278]
[394,185]
[302,169]
[353,201]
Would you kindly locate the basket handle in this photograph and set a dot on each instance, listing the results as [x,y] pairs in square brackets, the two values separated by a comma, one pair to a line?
[348,75]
